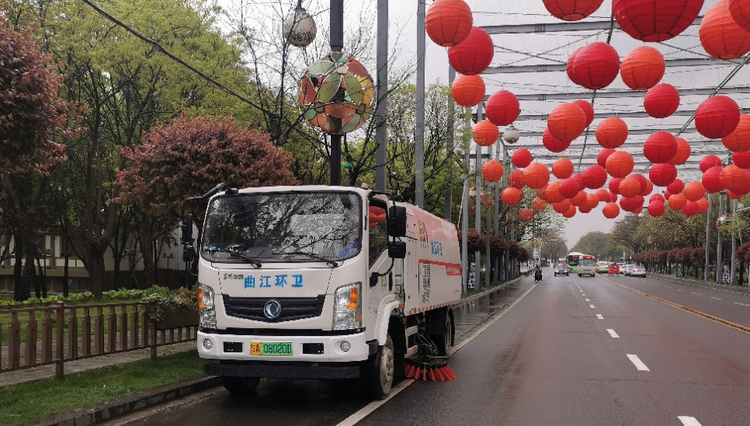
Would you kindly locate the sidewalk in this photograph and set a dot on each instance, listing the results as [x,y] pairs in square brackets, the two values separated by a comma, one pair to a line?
[743,290]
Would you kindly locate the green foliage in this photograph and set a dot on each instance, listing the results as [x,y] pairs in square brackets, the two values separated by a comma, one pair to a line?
[182,299]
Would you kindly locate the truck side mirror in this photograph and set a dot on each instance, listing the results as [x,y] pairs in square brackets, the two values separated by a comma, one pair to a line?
[397,249]
[187,229]
[397,221]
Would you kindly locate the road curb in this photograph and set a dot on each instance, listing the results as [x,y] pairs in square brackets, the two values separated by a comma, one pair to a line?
[128,404]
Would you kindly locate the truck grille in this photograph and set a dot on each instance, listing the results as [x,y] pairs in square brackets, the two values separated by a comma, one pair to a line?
[292,308]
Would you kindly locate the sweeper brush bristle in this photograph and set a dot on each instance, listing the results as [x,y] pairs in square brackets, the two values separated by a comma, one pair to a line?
[434,369]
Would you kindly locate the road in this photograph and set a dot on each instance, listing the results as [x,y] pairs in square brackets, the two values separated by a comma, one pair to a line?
[567,351]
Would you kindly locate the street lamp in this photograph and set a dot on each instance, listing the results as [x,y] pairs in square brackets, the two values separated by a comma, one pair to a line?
[164,256]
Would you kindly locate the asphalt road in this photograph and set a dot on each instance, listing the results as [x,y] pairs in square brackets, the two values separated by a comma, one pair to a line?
[568,351]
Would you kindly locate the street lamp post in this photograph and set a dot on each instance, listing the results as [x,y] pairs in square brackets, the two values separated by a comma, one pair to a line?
[170,257]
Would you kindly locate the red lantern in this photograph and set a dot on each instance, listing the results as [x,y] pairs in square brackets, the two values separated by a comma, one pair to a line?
[690,209]
[649,187]
[740,11]
[740,192]
[601,158]
[592,201]
[579,199]
[677,201]
[492,171]
[587,108]
[709,161]
[611,210]
[620,164]
[569,66]
[642,68]
[526,215]
[566,122]
[660,147]
[734,178]
[656,198]
[676,186]
[515,179]
[645,20]
[741,159]
[521,158]
[485,133]
[614,185]
[562,206]
[631,203]
[502,108]
[602,194]
[629,187]
[596,66]
[538,204]
[552,195]
[511,196]
[572,10]
[717,117]
[553,144]
[570,212]
[703,205]
[569,188]
[467,90]
[662,174]
[611,132]
[711,180]
[683,152]
[474,54]
[594,176]
[613,196]
[656,209]
[562,168]
[585,209]
[739,139]
[536,175]
[661,101]
[448,22]
[694,191]
[720,34]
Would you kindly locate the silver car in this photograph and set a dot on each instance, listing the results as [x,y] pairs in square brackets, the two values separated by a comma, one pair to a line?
[637,271]
[561,269]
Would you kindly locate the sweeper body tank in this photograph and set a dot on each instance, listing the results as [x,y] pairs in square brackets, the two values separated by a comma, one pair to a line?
[324,282]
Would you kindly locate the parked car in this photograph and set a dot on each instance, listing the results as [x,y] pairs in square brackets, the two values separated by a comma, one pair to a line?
[637,271]
[625,270]
[562,269]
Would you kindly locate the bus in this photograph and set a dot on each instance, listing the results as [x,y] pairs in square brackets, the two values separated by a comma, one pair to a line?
[572,259]
[576,260]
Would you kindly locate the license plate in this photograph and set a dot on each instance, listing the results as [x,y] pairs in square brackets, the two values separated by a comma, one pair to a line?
[271,348]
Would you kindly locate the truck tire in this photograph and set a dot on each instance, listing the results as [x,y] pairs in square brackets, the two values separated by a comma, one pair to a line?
[240,386]
[379,370]
[444,342]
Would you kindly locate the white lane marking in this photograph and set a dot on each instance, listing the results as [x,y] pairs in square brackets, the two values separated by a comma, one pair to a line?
[583,294]
[689,421]
[667,286]
[588,300]
[716,298]
[612,333]
[697,294]
[638,363]
[741,304]
[599,316]
[592,306]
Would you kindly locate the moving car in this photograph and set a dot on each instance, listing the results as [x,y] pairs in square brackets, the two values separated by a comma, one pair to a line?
[602,267]
[625,270]
[561,269]
[637,271]
[614,269]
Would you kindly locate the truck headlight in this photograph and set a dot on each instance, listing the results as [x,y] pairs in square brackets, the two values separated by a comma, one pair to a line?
[206,307]
[347,308]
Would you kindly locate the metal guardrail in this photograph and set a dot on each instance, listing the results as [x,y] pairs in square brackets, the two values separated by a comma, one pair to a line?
[36,336]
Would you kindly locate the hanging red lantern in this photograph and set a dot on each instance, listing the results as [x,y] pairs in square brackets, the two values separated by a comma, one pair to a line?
[602,194]
[474,54]
[649,187]
[521,158]
[536,175]
[662,174]
[683,152]
[642,68]
[676,186]
[642,182]
[468,90]
[448,22]
[611,132]
[566,121]
[485,133]
[720,34]
[526,215]
[645,20]
[656,209]
[734,178]
[656,198]
[511,196]
[552,195]
[703,205]
[585,209]
[569,66]
[739,139]
[594,176]
[578,199]
[601,158]
[611,210]
[515,179]
[629,204]
[711,180]
[492,171]
[660,147]
[717,117]
[562,206]
[740,11]
[562,168]
[690,209]
[502,108]
[629,187]
[587,108]
[570,212]
[596,66]
[677,201]
[709,161]
[694,191]
[661,101]
[620,164]
[552,143]
[571,10]
[740,192]
[569,188]
[614,185]
[592,200]
[613,196]
[741,159]
[538,204]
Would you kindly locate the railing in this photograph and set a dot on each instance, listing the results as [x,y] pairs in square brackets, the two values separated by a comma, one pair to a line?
[32,337]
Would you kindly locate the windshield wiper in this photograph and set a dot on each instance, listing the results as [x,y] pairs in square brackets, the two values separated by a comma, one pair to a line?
[330,262]
[238,251]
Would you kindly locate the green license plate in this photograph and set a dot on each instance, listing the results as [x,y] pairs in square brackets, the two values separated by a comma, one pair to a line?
[271,348]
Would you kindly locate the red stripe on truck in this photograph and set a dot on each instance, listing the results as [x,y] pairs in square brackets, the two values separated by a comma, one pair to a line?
[451,269]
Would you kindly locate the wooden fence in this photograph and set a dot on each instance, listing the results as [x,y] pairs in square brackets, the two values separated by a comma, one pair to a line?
[31,337]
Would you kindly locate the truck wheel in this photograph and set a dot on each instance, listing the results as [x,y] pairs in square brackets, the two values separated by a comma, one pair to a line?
[241,386]
[379,370]
[444,342]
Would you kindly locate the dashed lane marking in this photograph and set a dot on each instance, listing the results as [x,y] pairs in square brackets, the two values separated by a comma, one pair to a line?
[599,316]
[689,421]
[588,300]
[741,304]
[612,333]
[592,306]
[639,365]
[716,298]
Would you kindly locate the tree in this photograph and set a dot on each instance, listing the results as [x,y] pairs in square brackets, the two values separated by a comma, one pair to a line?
[599,244]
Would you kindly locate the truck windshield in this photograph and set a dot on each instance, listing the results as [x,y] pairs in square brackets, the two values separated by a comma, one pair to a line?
[283,227]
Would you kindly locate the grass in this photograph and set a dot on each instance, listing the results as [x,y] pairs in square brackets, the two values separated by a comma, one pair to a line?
[28,402]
